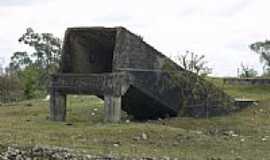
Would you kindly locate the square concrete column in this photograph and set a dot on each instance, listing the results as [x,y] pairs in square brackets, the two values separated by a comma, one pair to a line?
[112,108]
[57,106]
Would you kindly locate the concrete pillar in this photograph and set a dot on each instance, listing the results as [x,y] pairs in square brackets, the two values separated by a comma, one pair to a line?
[57,106]
[112,108]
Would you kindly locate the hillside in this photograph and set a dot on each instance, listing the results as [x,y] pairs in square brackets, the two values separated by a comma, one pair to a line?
[241,135]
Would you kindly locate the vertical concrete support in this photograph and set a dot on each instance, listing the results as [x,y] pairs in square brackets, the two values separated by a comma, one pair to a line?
[57,106]
[112,108]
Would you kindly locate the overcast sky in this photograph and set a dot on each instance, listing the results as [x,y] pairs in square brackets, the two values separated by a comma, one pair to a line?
[222,30]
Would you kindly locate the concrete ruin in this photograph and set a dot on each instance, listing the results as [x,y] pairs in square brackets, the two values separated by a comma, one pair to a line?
[119,67]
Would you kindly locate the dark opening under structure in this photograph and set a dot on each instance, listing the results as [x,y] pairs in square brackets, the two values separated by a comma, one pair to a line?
[121,68]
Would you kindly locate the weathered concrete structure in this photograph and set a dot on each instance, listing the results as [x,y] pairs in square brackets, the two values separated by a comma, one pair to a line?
[128,74]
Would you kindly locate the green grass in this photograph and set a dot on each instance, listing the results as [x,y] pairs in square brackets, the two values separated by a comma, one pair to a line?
[182,137]
[257,92]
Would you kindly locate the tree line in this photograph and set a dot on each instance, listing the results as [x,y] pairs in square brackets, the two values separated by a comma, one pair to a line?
[28,73]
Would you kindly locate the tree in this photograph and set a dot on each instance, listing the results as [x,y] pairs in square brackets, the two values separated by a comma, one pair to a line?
[47,49]
[11,88]
[194,63]
[35,68]
[19,60]
[263,49]
[247,72]
[32,79]
[266,72]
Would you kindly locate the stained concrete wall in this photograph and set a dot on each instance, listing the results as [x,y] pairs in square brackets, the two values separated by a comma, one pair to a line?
[131,52]
[156,77]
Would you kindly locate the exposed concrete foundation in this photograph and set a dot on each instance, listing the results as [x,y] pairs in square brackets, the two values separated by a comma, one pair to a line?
[57,106]
[111,86]
[112,108]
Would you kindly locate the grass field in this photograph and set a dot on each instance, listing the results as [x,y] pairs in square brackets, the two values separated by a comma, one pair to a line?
[241,135]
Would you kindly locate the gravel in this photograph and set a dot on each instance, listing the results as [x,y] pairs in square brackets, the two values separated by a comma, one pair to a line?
[56,153]
[46,153]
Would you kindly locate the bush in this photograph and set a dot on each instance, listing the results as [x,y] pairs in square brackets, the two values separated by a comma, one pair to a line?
[11,88]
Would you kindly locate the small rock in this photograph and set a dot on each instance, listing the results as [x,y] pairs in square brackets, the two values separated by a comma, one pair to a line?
[89,156]
[93,114]
[264,139]
[230,133]
[47,98]
[144,136]
[136,138]
[116,145]
[234,135]
[127,121]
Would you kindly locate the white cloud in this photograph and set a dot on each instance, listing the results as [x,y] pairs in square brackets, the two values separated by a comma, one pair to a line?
[220,29]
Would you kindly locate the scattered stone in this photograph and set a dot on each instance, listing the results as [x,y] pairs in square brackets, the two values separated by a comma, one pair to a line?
[166,158]
[127,121]
[214,158]
[95,109]
[116,145]
[230,133]
[137,138]
[264,139]
[47,98]
[144,136]
[56,153]
[214,131]
[234,135]
[93,114]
